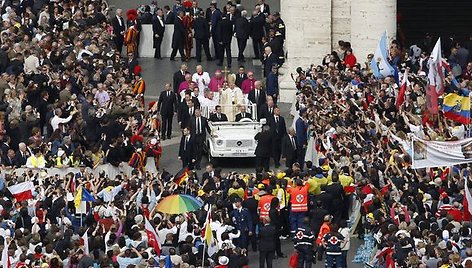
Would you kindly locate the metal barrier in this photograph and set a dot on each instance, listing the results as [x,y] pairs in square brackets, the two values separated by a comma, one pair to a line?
[110,170]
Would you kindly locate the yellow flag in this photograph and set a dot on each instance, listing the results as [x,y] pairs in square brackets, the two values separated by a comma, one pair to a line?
[78,198]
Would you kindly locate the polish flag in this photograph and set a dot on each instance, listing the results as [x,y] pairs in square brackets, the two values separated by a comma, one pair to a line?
[86,243]
[22,191]
[402,92]
[467,203]
[152,236]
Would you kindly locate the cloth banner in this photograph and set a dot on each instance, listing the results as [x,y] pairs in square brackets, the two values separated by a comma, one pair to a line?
[441,153]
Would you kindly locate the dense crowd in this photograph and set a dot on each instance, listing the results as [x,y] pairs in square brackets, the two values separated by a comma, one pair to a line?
[69,99]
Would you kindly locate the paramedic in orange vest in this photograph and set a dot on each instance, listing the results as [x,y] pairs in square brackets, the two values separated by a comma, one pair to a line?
[299,204]
[264,203]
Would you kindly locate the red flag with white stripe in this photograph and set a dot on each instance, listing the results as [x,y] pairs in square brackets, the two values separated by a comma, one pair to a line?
[467,203]
[22,191]
[435,79]
[402,92]
[153,240]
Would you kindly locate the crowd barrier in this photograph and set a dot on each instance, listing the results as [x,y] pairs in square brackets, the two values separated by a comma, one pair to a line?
[109,170]
[146,49]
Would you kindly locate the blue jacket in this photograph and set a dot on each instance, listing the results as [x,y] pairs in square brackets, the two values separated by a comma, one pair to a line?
[272,84]
[301,128]
[242,220]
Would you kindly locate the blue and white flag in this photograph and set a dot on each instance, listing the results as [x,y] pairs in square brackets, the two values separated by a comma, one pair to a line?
[381,68]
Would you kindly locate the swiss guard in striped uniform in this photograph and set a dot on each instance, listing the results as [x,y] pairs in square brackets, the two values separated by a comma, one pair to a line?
[139,86]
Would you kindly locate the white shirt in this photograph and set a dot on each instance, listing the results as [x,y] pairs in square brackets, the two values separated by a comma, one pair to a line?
[56,120]
[31,65]
[202,81]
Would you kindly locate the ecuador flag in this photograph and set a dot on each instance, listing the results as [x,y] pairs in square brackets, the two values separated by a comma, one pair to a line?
[457,108]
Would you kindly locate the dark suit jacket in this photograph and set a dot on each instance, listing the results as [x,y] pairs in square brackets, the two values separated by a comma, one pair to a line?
[158,29]
[183,116]
[264,144]
[179,33]
[239,116]
[167,105]
[267,237]
[240,80]
[215,19]
[225,31]
[9,162]
[117,29]
[241,27]
[130,65]
[264,111]
[214,118]
[262,97]
[266,9]
[257,26]
[201,28]
[204,127]
[188,153]
[178,78]
[301,128]
[287,148]
[269,62]
[20,161]
[170,18]
[146,18]
[279,130]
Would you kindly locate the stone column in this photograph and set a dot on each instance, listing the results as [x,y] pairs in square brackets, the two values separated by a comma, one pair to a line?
[341,22]
[369,19]
[308,38]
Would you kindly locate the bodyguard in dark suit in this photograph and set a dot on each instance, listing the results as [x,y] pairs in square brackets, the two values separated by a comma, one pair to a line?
[202,37]
[279,130]
[257,95]
[215,18]
[267,109]
[170,16]
[21,157]
[146,17]
[187,149]
[167,107]
[240,76]
[241,28]
[270,59]
[158,28]
[263,148]
[290,148]
[119,28]
[179,77]
[186,110]
[267,241]
[178,37]
[243,222]
[198,128]
[131,63]
[257,23]
[225,36]
[218,116]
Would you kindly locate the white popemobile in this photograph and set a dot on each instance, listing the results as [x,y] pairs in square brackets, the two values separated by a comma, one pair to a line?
[233,139]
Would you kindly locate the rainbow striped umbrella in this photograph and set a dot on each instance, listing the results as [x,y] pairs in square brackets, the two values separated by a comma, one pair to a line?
[179,203]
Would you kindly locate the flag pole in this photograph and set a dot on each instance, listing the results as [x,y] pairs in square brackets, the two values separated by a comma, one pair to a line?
[203,257]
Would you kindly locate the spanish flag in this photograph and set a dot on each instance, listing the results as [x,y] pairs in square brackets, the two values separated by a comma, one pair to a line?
[181,176]
[457,108]
[82,195]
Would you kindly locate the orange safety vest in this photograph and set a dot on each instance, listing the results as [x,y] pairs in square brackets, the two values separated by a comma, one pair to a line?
[323,230]
[299,199]
[264,205]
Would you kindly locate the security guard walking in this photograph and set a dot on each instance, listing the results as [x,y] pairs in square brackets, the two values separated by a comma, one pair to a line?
[333,243]
[303,242]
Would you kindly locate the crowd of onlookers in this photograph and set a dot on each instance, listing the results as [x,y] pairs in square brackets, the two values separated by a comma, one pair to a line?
[69,99]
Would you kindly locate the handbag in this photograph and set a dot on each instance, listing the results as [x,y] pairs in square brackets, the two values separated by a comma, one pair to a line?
[294,260]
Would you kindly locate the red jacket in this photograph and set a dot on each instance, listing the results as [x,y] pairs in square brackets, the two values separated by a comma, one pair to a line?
[350,60]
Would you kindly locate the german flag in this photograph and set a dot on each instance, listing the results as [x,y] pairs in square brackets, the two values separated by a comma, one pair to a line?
[181,176]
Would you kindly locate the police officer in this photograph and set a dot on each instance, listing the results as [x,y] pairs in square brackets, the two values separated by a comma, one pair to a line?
[279,24]
[333,243]
[303,242]
[243,222]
